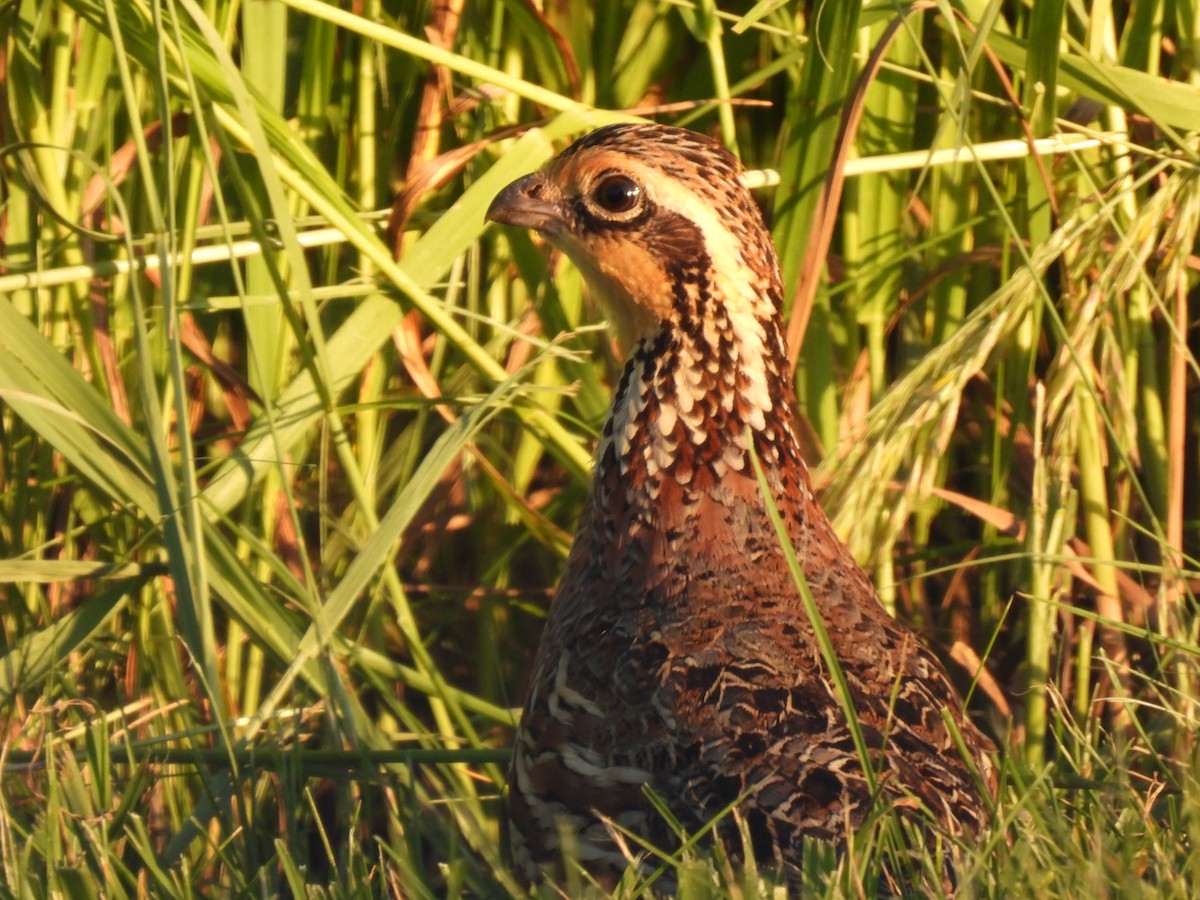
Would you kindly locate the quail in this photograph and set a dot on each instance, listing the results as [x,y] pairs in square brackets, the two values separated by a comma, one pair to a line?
[678,661]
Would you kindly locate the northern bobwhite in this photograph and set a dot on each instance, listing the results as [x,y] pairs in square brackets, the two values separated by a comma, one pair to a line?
[678,656]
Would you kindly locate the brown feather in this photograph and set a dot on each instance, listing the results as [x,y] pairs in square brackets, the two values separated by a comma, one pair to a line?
[678,656]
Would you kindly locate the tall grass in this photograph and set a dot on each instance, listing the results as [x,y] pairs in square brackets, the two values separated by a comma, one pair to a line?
[287,478]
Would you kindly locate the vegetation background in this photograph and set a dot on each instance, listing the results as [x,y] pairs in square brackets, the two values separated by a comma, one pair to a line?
[292,446]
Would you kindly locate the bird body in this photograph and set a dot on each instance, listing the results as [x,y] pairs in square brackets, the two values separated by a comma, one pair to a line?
[678,656]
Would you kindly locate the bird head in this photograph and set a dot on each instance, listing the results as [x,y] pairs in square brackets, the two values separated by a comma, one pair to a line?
[661,226]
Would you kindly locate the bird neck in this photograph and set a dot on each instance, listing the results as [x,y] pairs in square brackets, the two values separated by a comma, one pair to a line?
[693,400]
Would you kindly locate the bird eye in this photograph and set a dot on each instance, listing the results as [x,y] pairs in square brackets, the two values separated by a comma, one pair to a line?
[617,194]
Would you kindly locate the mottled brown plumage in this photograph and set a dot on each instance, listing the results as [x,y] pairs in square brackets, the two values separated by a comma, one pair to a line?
[678,655]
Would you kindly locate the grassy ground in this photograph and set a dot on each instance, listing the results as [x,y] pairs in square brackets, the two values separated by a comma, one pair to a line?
[286,482]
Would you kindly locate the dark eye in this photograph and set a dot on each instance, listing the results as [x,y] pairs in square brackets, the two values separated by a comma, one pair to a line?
[617,194]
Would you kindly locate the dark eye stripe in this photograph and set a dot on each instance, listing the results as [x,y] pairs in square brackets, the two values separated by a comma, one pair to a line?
[589,221]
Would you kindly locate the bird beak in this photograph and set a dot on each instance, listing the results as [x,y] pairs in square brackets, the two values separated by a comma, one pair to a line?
[523,203]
